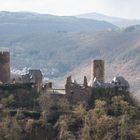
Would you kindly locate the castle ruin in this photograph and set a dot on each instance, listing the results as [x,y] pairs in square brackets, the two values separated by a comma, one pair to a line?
[73,91]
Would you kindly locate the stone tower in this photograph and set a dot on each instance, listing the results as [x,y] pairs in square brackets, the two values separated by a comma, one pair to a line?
[98,70]
[4,66]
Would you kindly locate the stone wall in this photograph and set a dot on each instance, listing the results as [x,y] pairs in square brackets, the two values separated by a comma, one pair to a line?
[76,93]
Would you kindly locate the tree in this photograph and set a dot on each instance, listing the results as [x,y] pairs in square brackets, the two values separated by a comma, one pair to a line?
[62,126]
[8,101]
[121,107]
[11,130]
[100,108]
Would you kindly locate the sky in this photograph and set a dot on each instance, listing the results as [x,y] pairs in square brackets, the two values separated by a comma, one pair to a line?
[119,8]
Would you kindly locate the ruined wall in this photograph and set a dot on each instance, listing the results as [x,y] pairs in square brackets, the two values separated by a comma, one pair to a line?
[4,67]
[98,70]
[37,77]
[76,93]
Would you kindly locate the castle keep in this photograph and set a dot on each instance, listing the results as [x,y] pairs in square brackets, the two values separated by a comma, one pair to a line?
[4,66]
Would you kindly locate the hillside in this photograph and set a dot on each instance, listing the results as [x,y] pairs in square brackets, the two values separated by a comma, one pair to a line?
[120,22]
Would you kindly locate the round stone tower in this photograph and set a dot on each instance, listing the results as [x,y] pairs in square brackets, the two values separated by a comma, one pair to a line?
[4,66]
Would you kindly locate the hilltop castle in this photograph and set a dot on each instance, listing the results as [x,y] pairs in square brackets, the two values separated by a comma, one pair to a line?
[73,92]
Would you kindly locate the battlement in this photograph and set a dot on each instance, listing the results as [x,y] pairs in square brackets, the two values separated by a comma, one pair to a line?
[4,52]
[3,49]
[4,57]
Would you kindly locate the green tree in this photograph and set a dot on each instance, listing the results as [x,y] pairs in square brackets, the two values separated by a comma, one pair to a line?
[8,101]
[100,108]
[63,127]
[121,107]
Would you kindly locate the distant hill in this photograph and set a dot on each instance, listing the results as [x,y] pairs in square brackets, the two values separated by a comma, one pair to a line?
[121,22]
[22,22]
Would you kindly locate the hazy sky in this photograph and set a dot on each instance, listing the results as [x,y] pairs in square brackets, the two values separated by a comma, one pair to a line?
[120,8]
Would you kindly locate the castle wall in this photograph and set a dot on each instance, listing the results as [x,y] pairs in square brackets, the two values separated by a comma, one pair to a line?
[4,67]
[76,93]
